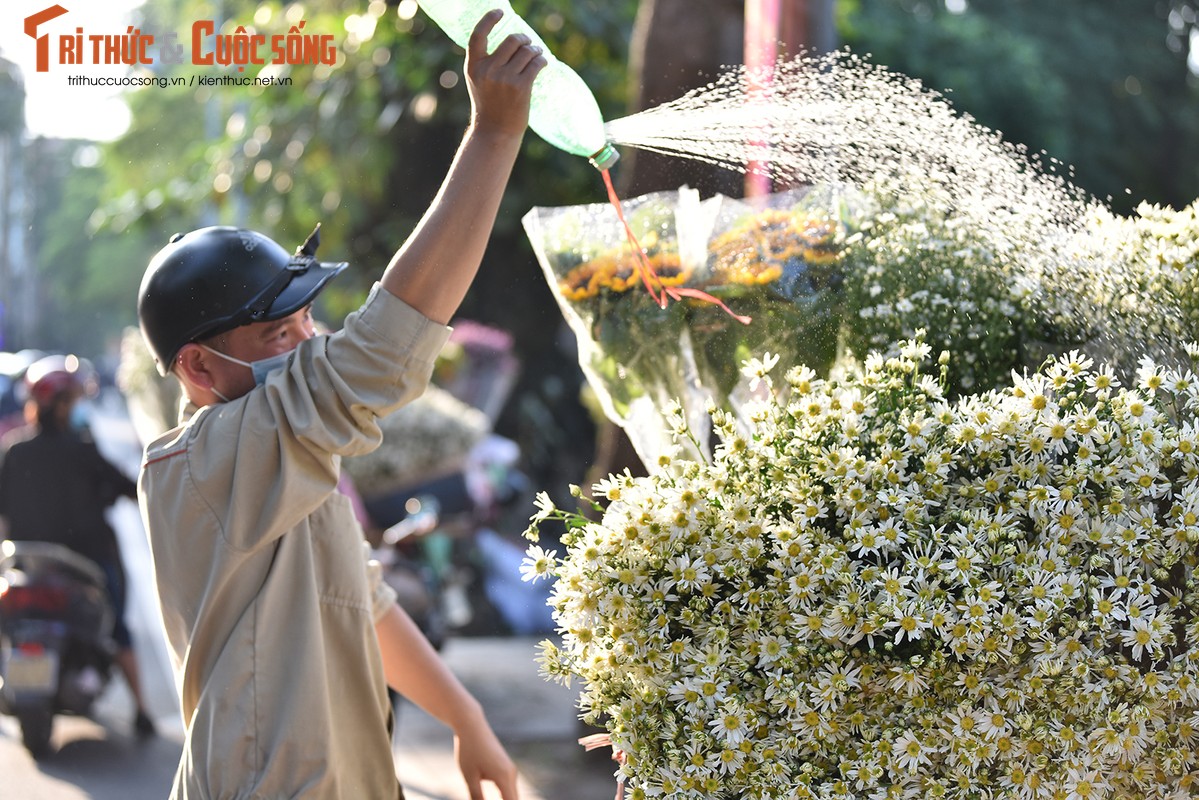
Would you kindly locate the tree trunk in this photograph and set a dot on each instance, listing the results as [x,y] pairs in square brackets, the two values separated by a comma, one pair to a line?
[680,45]
[677,46]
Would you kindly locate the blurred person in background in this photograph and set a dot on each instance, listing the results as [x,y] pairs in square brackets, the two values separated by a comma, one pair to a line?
[55,486]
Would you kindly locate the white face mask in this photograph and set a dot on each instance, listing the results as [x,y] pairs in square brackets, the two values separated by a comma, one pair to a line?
[260,368]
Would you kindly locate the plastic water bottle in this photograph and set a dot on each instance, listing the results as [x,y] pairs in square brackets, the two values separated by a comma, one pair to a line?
[562,109]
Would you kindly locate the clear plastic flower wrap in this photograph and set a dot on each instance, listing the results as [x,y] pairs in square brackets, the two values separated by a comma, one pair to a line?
[749,277]
[634,352]
[777,260]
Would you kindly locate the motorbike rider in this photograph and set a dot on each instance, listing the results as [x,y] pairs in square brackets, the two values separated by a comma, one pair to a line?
[55,487]
[283,635]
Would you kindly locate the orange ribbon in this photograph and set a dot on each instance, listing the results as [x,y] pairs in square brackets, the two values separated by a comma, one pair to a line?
[598,740]
[653,284]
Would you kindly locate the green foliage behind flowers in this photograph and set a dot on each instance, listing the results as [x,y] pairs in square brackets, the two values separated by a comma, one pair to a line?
[875,591]
[1118,287]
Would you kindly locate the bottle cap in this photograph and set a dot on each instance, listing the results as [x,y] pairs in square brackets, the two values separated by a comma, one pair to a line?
[605,157]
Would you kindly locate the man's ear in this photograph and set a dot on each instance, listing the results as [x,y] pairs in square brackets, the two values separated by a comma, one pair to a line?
[192,366]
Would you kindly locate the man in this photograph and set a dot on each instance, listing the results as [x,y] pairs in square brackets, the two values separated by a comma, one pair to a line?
[55,486]
[283,640]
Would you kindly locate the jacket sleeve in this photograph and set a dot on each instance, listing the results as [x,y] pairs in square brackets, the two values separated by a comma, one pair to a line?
[383,596]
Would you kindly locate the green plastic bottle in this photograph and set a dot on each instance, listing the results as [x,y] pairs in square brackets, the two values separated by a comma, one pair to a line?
[562,109]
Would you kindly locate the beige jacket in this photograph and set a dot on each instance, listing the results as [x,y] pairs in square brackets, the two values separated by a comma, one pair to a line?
[267,599]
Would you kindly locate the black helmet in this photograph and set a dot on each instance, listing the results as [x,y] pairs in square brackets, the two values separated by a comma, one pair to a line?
[213,280]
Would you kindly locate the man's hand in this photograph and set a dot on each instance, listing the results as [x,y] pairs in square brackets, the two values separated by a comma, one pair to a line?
[415,670]
[500,84]
[481,757]
[435,266]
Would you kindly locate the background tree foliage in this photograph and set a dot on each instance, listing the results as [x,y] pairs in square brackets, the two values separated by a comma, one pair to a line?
[1102,86]
[87,274]
[362,146]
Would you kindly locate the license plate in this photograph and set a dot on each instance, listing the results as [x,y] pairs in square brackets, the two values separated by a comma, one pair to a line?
[28,672]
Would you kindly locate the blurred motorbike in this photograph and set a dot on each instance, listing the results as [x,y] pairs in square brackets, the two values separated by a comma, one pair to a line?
[429,547]
[415,578]
[440,527]
[56,651]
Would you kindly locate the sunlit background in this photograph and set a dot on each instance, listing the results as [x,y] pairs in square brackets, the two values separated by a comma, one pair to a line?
[52,107]
[96,182]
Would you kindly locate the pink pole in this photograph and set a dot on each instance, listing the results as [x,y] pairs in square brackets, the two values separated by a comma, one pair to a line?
[762,28]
